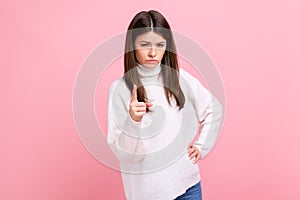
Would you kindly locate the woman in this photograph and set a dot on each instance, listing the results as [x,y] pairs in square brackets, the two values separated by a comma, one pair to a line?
[154,112]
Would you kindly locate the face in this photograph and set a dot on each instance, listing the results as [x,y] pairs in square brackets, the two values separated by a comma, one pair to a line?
[149,49]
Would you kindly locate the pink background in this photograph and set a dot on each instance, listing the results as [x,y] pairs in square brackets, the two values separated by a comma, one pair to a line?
[253,43]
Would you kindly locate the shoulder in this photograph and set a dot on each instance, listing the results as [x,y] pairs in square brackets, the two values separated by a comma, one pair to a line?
[186,75]
[118,90]
[117,85]
[192,85]
[189,78]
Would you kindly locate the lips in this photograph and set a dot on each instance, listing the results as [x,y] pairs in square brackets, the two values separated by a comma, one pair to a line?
[151,61]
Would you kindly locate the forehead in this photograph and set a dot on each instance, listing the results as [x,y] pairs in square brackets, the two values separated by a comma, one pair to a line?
[150,37]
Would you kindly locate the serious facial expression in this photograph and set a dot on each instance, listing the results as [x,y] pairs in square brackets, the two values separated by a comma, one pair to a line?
[149,49]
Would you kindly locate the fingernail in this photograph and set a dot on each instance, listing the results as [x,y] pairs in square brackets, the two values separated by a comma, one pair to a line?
[148,104]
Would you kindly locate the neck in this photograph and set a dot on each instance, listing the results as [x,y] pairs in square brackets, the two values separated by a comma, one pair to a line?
[149,72]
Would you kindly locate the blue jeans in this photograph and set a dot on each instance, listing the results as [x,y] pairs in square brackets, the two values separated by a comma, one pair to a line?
[193,193]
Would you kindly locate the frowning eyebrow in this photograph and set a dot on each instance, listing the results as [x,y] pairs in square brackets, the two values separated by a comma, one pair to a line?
[150,42]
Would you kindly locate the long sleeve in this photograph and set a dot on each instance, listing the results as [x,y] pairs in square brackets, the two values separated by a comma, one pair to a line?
[123,132]
[209,113]
[210,125]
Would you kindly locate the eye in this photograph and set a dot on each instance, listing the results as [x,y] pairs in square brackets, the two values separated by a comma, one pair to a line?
[160,45]
[144,45]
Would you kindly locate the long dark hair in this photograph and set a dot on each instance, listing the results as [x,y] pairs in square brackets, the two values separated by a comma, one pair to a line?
[143,22]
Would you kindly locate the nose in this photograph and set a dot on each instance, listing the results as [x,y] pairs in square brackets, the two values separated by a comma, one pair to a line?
[152,52]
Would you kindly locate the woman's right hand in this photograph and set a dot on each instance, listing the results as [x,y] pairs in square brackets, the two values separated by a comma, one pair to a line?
[137,109]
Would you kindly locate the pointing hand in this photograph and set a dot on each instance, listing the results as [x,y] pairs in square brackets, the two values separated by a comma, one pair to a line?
[137,109]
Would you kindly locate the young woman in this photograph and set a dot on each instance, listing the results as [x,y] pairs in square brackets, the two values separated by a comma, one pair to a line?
[153,114]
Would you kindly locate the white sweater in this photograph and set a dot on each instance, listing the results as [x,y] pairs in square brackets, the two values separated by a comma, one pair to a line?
[153,153]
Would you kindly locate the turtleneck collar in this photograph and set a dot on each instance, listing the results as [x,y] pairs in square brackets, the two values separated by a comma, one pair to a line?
[149,72]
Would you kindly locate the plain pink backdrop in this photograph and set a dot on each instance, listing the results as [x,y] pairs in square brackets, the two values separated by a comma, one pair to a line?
[254,44]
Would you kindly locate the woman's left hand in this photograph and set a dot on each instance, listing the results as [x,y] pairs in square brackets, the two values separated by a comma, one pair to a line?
[194,153]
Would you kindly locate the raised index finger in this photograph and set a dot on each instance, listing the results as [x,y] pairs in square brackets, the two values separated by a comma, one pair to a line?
[134,94]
